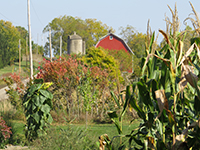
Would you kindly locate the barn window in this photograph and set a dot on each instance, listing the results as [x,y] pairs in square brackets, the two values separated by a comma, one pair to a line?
[111,37]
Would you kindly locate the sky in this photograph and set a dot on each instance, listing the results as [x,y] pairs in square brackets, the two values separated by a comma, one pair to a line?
[114,13]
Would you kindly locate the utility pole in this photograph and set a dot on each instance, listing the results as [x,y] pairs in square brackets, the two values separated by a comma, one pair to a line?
[19,56]
[60,45]
[50,44]
[30,44]
[26,50]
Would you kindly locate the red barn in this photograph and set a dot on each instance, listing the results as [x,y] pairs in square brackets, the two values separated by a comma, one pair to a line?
[113,42]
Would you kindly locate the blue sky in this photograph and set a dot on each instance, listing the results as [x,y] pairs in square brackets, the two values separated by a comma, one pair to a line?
[114,13]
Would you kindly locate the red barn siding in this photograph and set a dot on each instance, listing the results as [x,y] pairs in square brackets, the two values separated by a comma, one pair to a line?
[114,44]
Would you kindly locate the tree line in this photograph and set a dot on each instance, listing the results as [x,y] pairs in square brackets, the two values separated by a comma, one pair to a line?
[9,43]
[91,30]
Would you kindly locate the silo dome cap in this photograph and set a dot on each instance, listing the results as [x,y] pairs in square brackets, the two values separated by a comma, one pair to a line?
[75,36]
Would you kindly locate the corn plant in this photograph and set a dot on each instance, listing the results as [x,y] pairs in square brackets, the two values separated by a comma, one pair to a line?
[168,97]
[37,104]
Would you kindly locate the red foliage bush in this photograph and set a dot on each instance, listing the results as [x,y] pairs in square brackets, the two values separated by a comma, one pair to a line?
[5,130]
[66,75]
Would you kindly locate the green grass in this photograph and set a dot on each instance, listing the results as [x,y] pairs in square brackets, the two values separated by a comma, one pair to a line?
[73,136]
[15,68]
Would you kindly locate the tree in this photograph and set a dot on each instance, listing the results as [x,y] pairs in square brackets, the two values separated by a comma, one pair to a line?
[95,30]
[136,42]
[23,34]
[9,40]
[90,30]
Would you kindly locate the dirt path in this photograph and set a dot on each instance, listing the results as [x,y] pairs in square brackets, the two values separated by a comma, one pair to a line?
[3,95]
[11,147]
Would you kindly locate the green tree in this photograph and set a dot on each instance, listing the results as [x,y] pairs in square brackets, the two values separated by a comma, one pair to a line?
[90,30]
[23,34]
[9,40]
[94,31]
[136,42]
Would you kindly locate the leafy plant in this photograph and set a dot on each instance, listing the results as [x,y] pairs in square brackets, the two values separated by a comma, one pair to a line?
[5,133]
[118,120]
[37,104]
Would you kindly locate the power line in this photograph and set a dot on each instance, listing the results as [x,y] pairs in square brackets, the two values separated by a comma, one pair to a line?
[8,18]
[36,14]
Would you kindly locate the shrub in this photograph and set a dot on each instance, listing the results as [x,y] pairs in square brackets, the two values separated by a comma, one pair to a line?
[5,133]
[68,76]
[123,58]
[16,90]
[98,57]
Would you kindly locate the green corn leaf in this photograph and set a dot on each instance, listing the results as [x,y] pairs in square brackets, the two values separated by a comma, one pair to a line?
[128,95]
[154,87]
[196,104]
[139,111]
[114,117]
[144,93]
[151,43]
[195,40]
[115,98]
[139,142]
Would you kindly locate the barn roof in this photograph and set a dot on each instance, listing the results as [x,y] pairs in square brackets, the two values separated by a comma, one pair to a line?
[111,34]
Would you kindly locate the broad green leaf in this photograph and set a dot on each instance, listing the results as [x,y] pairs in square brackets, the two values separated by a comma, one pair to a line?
[41,98]
[46,93]
[114,117]
[45,108]
[50,119]
[36,100]
[36,117]
[32,89]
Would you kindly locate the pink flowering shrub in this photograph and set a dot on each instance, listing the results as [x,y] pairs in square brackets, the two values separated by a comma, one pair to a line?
[5,133]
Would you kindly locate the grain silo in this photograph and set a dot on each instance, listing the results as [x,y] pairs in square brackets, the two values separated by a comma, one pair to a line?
[75,44]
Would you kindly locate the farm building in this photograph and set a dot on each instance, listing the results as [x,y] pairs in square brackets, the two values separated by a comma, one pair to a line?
[75,44]
[113,42]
